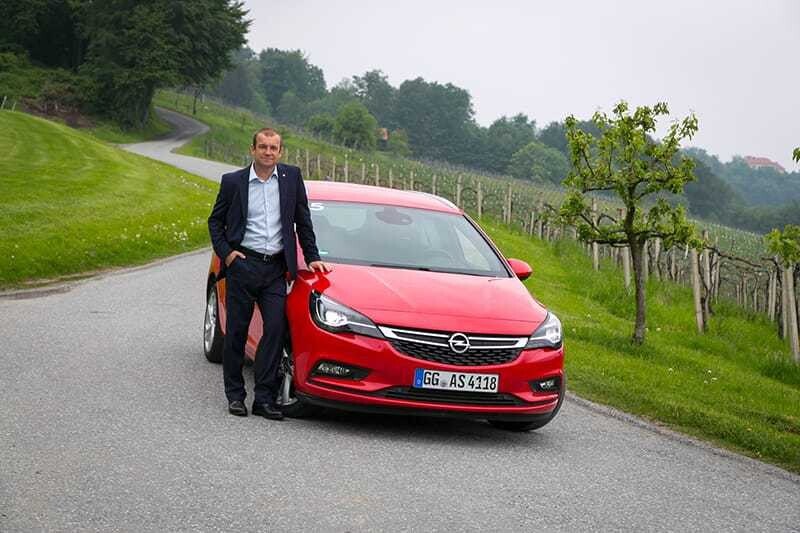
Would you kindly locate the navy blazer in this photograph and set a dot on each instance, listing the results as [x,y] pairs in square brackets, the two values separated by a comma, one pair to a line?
[228,218]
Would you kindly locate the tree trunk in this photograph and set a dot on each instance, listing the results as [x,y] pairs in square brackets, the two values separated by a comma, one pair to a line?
[637,254]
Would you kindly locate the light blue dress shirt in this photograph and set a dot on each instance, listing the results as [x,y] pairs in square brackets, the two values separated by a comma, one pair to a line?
[263,230]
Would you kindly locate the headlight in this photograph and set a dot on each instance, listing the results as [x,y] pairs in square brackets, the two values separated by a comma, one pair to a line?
[547,335]
[332,316]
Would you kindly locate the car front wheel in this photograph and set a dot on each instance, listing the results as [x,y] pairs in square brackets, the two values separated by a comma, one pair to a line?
[288,402]
[213,338]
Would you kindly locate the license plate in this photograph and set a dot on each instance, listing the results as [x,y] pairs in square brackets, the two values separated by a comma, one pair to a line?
[462,381]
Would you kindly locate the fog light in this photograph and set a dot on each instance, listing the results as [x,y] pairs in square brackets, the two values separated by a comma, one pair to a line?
[339,370]
[546,385]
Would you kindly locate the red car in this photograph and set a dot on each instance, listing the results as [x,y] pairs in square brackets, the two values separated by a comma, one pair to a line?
[421,315]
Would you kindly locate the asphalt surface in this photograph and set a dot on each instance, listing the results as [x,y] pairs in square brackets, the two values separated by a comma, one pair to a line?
[112,420]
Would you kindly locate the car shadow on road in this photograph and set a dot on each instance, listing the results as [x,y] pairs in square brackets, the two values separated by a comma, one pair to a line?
[421,429]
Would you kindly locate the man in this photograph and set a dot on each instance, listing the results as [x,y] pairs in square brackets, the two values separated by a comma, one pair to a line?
[252,227]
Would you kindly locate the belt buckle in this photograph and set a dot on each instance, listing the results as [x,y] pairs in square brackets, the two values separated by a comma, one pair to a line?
[265,257]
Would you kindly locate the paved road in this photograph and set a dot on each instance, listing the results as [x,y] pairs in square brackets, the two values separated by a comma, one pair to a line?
[185,129]
[112,420]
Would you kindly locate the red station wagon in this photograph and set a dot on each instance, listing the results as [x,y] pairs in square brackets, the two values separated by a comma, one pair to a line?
[421,315]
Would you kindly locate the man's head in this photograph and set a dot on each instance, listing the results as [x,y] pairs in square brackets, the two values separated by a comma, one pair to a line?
[267,147]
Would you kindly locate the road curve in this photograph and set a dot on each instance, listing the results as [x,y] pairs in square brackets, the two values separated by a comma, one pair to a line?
[112,420]
[162,149]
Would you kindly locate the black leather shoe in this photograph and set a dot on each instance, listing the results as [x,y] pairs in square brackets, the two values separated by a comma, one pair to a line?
[267,411]
[237,408]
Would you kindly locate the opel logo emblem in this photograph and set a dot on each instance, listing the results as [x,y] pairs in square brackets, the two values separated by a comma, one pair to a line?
[458,342]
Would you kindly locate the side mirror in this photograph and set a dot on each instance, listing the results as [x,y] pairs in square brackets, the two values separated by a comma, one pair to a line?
[522,269]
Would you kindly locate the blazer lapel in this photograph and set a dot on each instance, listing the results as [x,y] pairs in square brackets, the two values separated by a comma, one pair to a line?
[283,187]
[244,190]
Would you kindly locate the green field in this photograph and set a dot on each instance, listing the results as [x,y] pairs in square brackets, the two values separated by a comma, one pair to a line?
[72,204]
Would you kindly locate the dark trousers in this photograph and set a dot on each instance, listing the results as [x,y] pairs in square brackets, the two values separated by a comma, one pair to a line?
[252,281]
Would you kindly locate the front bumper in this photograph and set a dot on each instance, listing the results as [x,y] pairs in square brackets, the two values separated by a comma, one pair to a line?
[387,387]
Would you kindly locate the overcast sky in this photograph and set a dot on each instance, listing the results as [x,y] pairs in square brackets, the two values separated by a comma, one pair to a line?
[735,64]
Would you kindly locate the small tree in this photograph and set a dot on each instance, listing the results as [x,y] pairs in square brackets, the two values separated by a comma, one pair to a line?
[398,143]
[624,160]
[539,163]
[321,124]
[355,127]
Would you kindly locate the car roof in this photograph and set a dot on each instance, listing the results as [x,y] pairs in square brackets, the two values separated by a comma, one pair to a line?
[370,194]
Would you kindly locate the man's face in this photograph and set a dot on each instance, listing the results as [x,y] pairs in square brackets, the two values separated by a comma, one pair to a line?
[267,150]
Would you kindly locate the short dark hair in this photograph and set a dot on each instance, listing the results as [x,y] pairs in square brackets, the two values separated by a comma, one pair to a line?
[269,132]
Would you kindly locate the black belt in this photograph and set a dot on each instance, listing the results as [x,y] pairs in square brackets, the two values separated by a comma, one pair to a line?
[267,258]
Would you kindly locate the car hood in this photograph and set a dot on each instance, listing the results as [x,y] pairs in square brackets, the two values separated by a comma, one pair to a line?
[434,300]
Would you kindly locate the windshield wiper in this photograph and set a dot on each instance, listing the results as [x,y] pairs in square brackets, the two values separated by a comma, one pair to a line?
[407,267]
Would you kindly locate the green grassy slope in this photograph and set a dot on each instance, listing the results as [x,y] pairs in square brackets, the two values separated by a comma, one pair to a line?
[72,204]
[735,386]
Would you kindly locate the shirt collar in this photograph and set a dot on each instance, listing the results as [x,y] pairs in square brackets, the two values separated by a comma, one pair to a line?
[254,176]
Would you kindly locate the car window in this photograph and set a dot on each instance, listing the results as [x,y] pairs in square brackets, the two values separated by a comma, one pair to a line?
[400,237]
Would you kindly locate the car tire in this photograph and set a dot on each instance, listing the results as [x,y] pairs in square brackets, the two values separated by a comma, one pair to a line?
[213,338]
[508,425]
[292,406]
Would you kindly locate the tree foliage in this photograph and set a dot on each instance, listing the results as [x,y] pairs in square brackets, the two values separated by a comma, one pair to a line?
[436,118]
[785,244]
[539,163]
[283,71]
[322,124]
[377,94]
[126,49]
[240,84]
[398,143]
[626,161]
[505,137]
[355,127]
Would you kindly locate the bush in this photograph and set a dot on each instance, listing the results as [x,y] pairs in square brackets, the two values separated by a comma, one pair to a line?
[322,124]
[537,162]
[355,127]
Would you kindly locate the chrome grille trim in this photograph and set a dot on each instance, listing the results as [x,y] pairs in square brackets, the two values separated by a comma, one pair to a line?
[409,335]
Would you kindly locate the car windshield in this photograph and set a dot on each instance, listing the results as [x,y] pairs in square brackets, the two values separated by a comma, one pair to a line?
[402,237]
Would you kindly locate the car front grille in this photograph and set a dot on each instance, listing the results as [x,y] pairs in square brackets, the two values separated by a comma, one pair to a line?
[451,397]
[435,346]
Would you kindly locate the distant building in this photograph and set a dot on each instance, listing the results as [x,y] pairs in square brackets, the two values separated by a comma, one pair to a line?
[761,162]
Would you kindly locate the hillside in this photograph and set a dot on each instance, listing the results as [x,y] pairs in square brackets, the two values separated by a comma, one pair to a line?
[73,204]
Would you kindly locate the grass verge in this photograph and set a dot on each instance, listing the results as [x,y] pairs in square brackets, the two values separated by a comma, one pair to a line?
[735,386]
[73,204]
